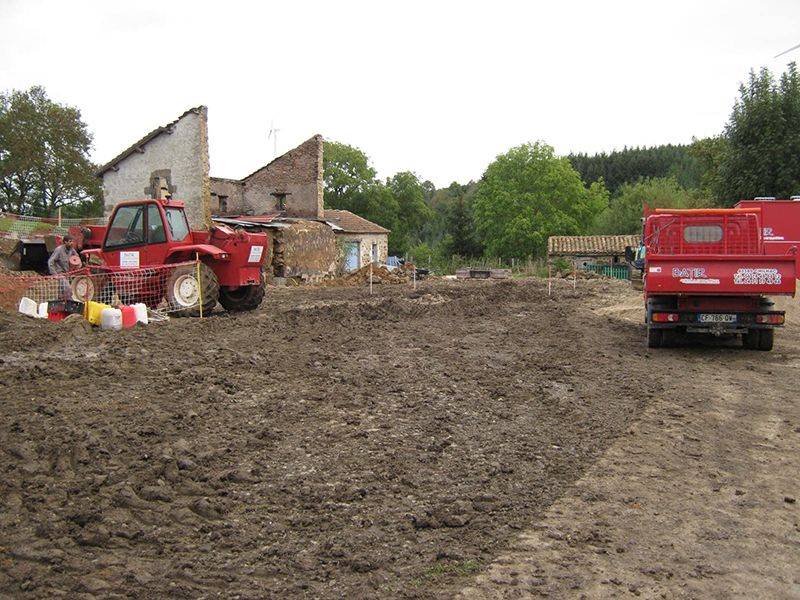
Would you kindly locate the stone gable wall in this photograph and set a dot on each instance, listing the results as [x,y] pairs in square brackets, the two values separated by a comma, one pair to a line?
[297,175]
[179,157]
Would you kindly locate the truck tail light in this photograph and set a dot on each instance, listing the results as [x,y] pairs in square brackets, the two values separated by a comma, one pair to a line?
[665,317]
[774,319]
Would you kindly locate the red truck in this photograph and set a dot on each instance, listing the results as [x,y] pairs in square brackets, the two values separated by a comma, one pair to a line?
[156,233]
[708,271]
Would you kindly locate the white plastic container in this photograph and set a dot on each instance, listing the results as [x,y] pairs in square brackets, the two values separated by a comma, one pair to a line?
[42,310]
[28,307]
[141,313]
[111,318]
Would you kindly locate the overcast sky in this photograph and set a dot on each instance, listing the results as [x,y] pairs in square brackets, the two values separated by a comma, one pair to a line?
[439,88]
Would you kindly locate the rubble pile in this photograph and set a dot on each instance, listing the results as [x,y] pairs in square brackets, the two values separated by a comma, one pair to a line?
[379,274]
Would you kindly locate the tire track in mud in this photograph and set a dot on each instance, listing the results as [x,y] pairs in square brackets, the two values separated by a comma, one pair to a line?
[698,500]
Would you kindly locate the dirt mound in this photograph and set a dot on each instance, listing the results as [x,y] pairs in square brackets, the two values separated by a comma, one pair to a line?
[375,275]
[336,443]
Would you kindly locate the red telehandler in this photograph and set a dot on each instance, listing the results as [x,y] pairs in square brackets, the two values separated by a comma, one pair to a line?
[156,232]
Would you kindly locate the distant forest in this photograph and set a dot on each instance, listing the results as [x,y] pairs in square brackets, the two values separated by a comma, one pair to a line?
[629,165]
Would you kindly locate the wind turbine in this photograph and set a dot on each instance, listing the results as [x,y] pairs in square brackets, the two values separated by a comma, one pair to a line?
[273,133]
[789,50]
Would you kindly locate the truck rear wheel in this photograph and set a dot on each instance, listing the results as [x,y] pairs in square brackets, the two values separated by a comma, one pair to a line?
[752,339]
[183,290]
[669,338]
[246,297]
[766,338]
[654,337]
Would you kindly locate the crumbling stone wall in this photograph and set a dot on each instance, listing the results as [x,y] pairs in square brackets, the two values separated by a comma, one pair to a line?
[371,247]
[305,249]
[291,184]
[176,156]
[227,196]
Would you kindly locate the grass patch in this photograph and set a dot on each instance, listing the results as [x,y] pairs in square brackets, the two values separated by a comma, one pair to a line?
[461,569]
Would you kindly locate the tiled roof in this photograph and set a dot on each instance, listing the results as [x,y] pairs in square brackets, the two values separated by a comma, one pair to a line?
[590,244]
[352,223]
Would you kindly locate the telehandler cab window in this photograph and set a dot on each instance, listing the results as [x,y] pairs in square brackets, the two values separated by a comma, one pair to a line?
[127,227]
[177,224]
[156,234]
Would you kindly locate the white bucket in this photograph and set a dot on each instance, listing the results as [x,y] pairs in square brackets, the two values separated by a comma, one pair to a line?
[141,313]
[42,310]
[111,318]
[28,307]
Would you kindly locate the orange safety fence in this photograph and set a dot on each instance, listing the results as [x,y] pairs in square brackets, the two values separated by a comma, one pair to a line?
[164,288]
[23,226]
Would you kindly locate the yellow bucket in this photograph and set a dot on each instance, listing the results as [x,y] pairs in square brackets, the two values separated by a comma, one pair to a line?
[94,312]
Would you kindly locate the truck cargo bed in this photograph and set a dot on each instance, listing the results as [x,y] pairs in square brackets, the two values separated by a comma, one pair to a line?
[704,275]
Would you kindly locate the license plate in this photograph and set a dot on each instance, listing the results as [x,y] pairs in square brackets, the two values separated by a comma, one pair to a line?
[711,318]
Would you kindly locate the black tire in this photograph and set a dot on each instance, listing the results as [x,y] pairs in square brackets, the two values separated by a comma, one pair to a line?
[766,339]
[752,339]
[669,338]
[247,297]
[183,291]
[654,337]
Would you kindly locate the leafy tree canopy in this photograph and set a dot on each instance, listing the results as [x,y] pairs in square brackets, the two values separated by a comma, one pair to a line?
[759,156]
[44,157]
[409,194]
[350,184]
[632,164]
[624,215]
[529,194]
[460,238]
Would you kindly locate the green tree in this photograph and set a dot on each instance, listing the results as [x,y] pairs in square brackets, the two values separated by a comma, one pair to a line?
[461,238]
[350,184]
[528,195]
[708,152]
[759,156]
[629,165]
[409,194]
[624,215]
[44,157]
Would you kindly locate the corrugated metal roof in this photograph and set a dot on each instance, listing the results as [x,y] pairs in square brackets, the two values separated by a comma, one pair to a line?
[352,223]
[590,244]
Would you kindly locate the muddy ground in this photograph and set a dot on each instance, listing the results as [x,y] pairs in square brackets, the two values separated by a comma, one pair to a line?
[473,439]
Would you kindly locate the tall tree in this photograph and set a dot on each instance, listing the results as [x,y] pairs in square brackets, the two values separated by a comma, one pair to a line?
[762,140]
[44,157]
[629,165]
[409,194]
[350,184]
[454,222]
[708,152]
[624,215]
[529,194]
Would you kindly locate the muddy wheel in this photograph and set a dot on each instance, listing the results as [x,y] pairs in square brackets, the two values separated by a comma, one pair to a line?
[247,297]
[669,338]
[85,288]
[766,338]
[183,290]
[654,337]
[751,339]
